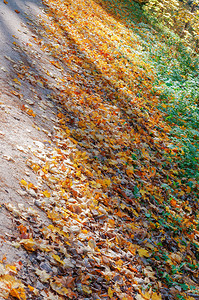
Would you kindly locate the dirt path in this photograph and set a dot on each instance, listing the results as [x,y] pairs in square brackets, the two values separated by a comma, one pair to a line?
[20,133]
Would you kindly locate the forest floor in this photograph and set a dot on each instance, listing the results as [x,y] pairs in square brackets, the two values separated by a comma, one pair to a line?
[93,201]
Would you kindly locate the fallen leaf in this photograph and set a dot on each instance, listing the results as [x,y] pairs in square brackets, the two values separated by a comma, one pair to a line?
[143,252]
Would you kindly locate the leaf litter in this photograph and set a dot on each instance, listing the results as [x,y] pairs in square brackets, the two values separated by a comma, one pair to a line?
[122,223]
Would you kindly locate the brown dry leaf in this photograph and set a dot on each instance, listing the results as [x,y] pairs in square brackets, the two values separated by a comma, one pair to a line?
[130,170]
[175,257]
[57,286]
[43,275]
[150,274]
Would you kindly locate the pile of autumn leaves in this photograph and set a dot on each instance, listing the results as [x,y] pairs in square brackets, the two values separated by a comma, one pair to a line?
[123,223]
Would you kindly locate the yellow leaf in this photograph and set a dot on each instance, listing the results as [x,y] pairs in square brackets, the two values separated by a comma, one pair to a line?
[78,174]
[119,262]
[111,222]
[155,296]
[46,194]
[28,244]
[17,81]
[35,167]
[123,206]
[57,258]
[143,252]
[181,193]
[143,192]
[134,212]
[23,182]
[107,182]
[110,292]
[4,1]
[132,249]
[57,287]
[13,268]
[146,295]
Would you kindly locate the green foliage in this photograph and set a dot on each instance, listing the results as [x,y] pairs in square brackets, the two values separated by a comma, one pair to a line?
[180,89]
[177,83]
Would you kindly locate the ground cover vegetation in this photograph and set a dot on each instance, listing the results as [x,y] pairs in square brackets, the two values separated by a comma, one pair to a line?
[120,184]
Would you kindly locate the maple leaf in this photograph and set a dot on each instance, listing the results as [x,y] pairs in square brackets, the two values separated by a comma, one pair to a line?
[143,252]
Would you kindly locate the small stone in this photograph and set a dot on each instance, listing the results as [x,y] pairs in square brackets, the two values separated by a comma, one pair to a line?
[95,212]
[74,229]
[30,102]
[32,193]
[82,236]
[21,192]
[38,203]
[86,263]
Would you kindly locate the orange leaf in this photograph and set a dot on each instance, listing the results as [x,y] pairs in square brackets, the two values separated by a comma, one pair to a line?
[31,288]
[173,202]
[18,293]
